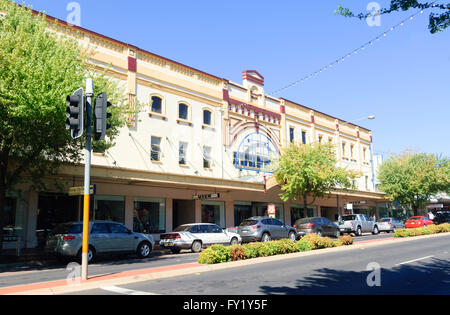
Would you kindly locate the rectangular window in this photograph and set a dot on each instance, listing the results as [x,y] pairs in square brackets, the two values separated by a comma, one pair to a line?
[214,213]
[182,153]
[149,215]
[156,149]
[352,152]
[207,160]
[344,147]
[291,135]
[320,139]
[156,105]
[183,111]
[109,208]
[304,137]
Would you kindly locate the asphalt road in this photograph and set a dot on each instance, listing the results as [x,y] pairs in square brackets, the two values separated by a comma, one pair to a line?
[25,274]
[420,267]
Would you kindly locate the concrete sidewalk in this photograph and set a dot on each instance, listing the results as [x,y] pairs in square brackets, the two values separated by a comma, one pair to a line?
[122,278]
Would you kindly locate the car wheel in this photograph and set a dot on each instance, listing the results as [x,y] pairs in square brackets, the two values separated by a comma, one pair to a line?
[292,236]
[375,231]
[91,255]
[196,247]
[359,231]
[337,234]
[424,225]
[265,238]
[234,241]
[144,250]
[319,233]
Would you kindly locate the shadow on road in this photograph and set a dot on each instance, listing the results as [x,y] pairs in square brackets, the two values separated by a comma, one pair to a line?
[425,279]
[51,263]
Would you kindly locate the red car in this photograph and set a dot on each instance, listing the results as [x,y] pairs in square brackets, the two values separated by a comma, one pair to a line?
[416,222]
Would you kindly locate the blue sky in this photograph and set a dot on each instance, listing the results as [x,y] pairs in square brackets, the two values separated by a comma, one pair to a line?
[404,79]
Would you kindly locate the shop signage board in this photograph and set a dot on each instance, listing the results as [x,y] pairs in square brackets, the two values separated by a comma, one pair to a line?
[206,197]
[79,191]
[272,211]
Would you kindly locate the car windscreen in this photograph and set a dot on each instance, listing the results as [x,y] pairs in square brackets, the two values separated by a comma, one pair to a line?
[67,229]
[249,223]
[183,228]
[349,217]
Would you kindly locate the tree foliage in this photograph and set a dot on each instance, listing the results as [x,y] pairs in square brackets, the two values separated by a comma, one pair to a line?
[412,178]
[439,21]
[311,171]
[39,68]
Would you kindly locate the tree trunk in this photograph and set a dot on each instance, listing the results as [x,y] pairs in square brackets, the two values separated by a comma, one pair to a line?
[416,210]
[305,204]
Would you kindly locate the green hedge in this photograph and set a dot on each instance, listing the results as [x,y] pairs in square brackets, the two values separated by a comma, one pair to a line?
[433,229]
[217,254]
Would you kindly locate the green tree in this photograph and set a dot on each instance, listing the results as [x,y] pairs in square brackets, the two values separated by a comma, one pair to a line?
[412,178]
[438,21]
[38,70]
[311,171]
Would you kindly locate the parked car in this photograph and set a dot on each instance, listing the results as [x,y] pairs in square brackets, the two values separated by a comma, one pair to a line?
[389,225]
[419,221]
[358,224]
[197,236]
[319,226]
[442,217]
[265,229]
[104,238]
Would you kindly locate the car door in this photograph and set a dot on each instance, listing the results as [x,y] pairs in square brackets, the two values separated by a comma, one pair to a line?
[101,237]
[366,224]
[217,235]
[121,238]
[205,234]
[279,230]
[327,227]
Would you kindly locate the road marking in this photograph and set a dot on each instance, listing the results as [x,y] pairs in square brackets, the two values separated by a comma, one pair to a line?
[123,291]
[411,261]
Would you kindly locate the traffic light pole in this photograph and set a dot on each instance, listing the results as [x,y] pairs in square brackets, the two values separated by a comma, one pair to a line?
[87,179]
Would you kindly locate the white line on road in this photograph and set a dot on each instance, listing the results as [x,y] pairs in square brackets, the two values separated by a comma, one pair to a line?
[115,289]
[411,261]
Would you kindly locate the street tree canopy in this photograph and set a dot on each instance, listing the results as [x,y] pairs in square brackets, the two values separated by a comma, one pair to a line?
[412,178]
[38,70]
[311,171]
[439,18]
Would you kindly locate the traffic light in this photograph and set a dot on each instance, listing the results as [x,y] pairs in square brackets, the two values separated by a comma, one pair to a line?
[101,116]
[75,113]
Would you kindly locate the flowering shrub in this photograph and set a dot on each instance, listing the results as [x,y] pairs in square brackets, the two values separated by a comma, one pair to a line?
[220,254]
[433,229]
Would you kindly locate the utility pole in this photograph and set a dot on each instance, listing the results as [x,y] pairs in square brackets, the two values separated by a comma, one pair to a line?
[87,180]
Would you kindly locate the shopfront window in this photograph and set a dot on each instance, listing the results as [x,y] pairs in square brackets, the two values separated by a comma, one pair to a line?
[9,217]
[244,210]
[214,213]
[298,212]
[149,215]
[109,208]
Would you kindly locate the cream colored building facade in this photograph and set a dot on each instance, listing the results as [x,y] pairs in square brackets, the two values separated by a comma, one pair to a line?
[202,150]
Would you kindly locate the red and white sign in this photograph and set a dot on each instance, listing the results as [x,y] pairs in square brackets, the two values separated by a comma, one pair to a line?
[272,210]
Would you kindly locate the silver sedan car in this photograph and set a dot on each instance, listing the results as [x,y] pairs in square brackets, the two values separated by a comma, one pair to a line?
[197,236]
[105,238]
[389,225]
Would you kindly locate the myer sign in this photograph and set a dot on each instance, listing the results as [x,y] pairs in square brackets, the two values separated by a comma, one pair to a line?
[206,197]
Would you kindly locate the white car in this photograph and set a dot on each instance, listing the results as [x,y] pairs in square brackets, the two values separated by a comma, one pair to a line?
[197,236]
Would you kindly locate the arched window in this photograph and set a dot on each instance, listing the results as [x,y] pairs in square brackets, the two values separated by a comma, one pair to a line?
[256,152]
[183,111]
[207,117]
[157,104]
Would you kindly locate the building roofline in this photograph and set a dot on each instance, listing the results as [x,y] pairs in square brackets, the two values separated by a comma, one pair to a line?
[316,111]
